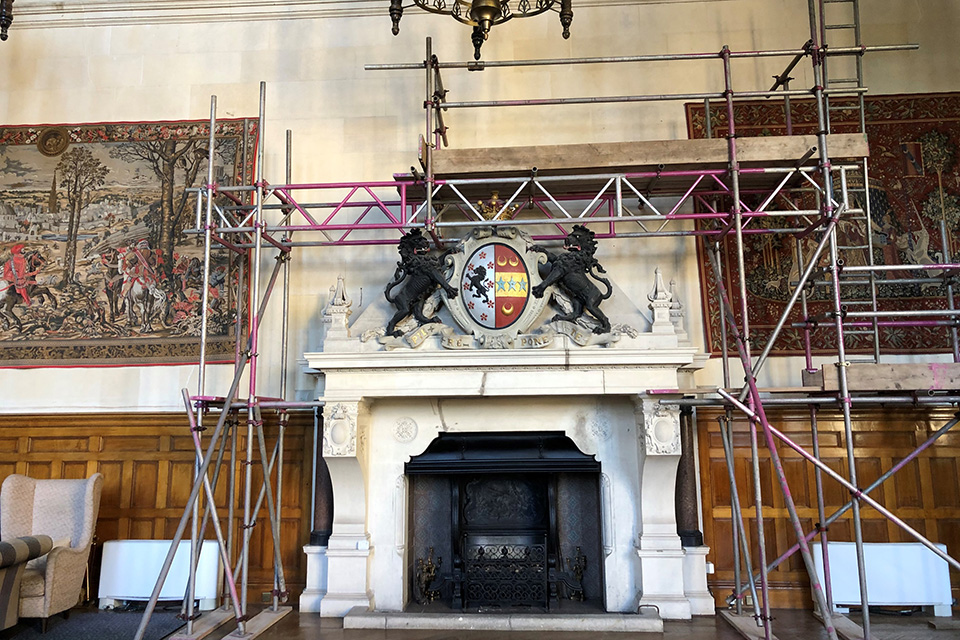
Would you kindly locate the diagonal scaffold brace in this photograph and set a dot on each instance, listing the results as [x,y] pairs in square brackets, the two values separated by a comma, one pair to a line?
[758,415]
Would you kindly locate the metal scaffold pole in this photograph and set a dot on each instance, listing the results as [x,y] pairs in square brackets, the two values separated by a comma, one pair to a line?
[829,212]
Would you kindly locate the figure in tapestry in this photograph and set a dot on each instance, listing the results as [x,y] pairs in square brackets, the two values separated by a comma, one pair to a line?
[19,284]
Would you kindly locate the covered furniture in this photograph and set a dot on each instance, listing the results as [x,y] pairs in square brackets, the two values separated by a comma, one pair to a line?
[65,510]
[14,555]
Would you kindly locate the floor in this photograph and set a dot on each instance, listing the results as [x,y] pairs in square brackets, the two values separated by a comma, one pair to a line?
[787,625]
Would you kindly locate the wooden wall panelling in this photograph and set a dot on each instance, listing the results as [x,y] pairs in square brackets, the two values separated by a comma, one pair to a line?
[147,461]
[925,493]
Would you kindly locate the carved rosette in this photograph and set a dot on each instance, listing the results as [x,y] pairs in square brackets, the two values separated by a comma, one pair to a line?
[659,426]
[340,430]
[405,430]
[599,427]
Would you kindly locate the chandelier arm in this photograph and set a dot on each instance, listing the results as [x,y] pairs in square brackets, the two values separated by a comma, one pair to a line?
[447,10]
[482,15]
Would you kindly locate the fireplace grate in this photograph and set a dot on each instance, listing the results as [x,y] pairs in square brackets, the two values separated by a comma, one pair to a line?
[505,571]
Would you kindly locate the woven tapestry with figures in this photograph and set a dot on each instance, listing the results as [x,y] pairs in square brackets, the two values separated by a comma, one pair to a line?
[95,268]
[914,187]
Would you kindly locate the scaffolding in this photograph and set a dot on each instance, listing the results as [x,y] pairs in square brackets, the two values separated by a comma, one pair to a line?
[622,201]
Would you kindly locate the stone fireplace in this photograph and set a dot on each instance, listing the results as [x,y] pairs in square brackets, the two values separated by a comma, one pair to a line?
[539,449]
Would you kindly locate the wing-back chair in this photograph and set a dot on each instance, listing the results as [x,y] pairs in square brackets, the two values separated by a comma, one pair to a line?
[65,510]
[14,554]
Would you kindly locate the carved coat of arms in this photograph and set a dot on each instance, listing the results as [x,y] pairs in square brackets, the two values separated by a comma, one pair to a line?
[495,273]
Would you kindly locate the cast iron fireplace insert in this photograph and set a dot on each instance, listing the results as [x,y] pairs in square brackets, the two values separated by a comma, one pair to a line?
[504,520]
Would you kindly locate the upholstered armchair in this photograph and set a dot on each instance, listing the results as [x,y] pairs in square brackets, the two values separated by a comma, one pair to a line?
[65,510]
[14,555]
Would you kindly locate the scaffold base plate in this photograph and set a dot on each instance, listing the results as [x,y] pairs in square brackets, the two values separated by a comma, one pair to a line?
[941,624]
[745,625]
[846,628]
[260,623]
[206,624]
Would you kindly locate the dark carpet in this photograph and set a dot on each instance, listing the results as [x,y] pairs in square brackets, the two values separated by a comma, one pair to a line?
[93,624]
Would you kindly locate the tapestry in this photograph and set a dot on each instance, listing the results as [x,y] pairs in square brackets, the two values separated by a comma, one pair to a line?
[913,191]
[95,267]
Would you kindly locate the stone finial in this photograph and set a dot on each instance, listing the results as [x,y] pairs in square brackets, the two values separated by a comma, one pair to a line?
[660,305]
[677,314]
[336,312]
[339,301]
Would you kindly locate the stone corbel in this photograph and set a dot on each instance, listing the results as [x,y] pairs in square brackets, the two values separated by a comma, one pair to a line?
[660,427]
[340,430]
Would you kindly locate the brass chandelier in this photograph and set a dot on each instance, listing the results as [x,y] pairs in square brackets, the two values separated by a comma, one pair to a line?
[6,17]
[482,15]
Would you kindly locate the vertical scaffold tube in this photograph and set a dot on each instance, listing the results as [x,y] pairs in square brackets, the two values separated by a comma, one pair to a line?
[284,342]
[252,414]
[739,530]
[766,620]
[202,366]
[947,257]
[735,194]
[873,274]
[428,137]
[821,513]
[739,533]
[827,211]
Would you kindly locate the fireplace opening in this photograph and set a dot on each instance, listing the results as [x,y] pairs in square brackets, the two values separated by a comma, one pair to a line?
[504,521]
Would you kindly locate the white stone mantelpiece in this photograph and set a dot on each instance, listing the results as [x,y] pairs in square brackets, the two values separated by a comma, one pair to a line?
[383,408]
[487,373]
[387,398]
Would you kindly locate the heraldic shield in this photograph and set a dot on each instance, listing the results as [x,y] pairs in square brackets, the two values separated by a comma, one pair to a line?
[495,273]
[495,285]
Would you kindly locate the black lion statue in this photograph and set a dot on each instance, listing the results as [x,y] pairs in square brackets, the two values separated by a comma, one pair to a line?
[423,275]
[571,272]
